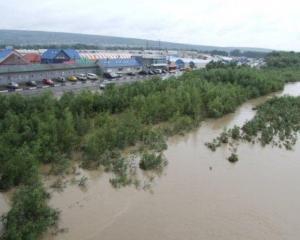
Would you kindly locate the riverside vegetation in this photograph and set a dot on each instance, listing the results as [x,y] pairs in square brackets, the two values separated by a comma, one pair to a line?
[276,123]
[44,130]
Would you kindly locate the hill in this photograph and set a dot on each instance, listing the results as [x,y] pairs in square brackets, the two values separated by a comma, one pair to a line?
[23,38]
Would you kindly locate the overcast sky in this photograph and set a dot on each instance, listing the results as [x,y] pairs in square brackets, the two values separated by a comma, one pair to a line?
[245,23]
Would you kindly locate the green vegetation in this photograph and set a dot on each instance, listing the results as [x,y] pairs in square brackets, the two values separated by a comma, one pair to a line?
[233,158]
[99,127]
[283,60]
[277,122]
[29,216]
[151,161]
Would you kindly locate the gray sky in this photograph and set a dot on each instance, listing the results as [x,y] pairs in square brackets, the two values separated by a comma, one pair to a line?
[249,23]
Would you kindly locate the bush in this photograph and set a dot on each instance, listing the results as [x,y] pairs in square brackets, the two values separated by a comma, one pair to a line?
[151,161]
[233,158]
[29,216]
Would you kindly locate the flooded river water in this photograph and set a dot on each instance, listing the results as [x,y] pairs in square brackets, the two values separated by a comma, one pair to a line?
[200,195]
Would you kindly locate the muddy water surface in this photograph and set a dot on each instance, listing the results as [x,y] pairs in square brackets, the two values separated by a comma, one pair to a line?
[200,195]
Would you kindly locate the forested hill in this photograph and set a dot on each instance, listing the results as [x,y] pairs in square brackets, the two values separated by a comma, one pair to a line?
[18,37]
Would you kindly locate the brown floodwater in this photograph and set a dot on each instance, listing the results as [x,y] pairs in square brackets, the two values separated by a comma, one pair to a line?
[199,195]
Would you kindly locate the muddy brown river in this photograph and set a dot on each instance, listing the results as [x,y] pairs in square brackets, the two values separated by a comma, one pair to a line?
[199,195]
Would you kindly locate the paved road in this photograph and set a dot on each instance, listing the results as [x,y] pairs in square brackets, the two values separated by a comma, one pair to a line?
[61,88]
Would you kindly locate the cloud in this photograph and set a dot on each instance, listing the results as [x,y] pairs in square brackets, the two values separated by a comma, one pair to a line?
[256,23]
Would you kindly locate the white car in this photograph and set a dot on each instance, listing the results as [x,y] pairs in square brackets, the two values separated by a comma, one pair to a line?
[81,77]
[92,76]
[158,71]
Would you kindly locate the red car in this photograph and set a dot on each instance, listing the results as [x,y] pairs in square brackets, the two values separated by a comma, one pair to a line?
[48,82]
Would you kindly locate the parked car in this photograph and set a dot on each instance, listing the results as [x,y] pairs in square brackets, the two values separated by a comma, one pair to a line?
[150,72]
[111,75]
[158,71]
[104,84]
[92,76]
[72,78]
[12,85]
[164,71]
[81,77]
[31,83]
[143,72]
[131,74]
[49,82]
[60,79]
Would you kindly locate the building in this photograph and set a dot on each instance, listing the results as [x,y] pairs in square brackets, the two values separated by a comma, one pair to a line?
[94,56]
[33,58]
[11,57]
[180,64]
[37,72]
[60,56]
[183,63]
[153,61]
[124,65]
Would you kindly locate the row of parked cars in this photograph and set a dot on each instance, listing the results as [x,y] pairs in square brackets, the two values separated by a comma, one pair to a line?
[51,82]
[113,75]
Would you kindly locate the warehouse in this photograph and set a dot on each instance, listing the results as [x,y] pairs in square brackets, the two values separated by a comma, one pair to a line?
[94,56]
[152,61]
[51,56]
[9,56]
[122,65]
[37,72]
[183,63]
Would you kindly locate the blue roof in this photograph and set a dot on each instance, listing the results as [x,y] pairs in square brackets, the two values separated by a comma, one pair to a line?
[72,53]
[4,53]
[119,63]
[52,53]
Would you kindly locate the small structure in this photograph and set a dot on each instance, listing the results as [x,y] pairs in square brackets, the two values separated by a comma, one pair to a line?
[60,56]
[9,56]
[172,66]
[180,64]
[124,65]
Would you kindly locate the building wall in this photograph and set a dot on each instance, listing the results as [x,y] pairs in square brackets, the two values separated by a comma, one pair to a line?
[123,69]
[149,63]
[5,78]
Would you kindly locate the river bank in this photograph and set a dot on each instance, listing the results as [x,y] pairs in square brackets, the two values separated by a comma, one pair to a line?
[199,195]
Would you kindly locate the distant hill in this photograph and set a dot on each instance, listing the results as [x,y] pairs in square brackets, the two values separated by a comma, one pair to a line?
[23,38]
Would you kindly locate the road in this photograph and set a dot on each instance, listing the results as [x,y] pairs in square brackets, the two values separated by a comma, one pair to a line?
[60,88]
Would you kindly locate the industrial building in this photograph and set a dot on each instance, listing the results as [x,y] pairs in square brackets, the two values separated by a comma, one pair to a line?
[124,65]
[96,55]
[36,72]
[183,63]
[152,61]
[54,56]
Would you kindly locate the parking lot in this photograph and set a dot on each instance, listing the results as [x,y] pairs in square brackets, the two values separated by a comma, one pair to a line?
[59,88]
